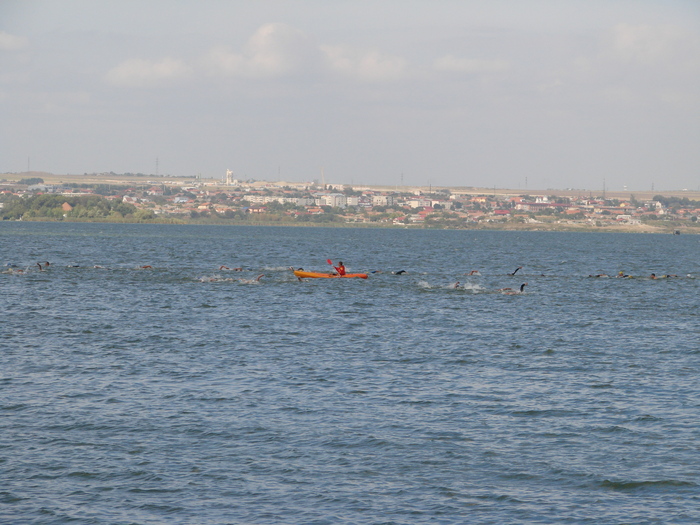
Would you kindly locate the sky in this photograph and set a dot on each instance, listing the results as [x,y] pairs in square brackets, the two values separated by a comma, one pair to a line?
[519,94]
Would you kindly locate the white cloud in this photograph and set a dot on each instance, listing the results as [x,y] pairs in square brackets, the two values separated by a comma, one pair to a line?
[452,64]
[649,45]
[273,50]
[137,72]
[621,95]
[10,42]
[368,66]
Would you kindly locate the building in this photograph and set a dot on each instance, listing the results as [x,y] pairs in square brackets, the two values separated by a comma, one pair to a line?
[334,200]
[383,200]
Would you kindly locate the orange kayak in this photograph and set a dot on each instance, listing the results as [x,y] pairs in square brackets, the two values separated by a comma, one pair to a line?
[321,275]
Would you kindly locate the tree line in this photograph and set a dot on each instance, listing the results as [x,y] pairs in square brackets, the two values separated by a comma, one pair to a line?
[79,207]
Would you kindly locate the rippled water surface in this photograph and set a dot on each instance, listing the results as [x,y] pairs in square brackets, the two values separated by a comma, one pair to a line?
[189,394]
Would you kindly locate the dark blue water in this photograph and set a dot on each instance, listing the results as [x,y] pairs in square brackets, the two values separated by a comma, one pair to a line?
[189,395]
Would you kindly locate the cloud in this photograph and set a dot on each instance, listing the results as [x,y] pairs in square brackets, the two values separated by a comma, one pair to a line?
[137,72]
[452,64]
[621,95]
[363,65]
[648,45]
[10,42]
[274,50]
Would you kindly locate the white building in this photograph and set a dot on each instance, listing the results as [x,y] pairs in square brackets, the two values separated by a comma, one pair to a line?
[446,205]
[420,203]
[383,200]
[334,200]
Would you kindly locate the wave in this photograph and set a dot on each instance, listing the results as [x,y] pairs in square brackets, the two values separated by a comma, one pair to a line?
[637,485]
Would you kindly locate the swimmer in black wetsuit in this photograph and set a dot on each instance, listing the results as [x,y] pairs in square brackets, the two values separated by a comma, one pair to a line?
[510,291]
[522,289]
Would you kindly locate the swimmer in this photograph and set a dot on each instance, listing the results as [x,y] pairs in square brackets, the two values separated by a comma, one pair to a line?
[251,281]
[400,272]
[516,270]
[477,272]
[599,275]
[146,267]
[509,291]
[222,267]
[622,275]
[456,285]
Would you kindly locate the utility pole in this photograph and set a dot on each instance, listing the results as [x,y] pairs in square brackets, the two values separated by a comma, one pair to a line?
[603,189]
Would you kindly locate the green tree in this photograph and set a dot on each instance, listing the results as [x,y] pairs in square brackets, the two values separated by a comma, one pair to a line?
[31,181]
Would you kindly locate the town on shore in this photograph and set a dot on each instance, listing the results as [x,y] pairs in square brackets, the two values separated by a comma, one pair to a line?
[147,198]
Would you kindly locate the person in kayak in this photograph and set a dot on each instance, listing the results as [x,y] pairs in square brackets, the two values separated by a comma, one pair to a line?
[340,268]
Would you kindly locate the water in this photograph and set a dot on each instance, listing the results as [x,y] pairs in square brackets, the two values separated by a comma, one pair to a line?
[181,394]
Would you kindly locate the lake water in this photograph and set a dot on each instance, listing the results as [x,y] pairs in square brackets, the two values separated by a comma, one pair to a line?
[186,394]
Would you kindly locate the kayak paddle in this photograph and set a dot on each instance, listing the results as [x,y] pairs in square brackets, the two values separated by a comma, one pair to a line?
[331,263]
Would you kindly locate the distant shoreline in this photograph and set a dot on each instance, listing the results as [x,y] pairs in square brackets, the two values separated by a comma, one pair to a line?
[140,178]
[522,218]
